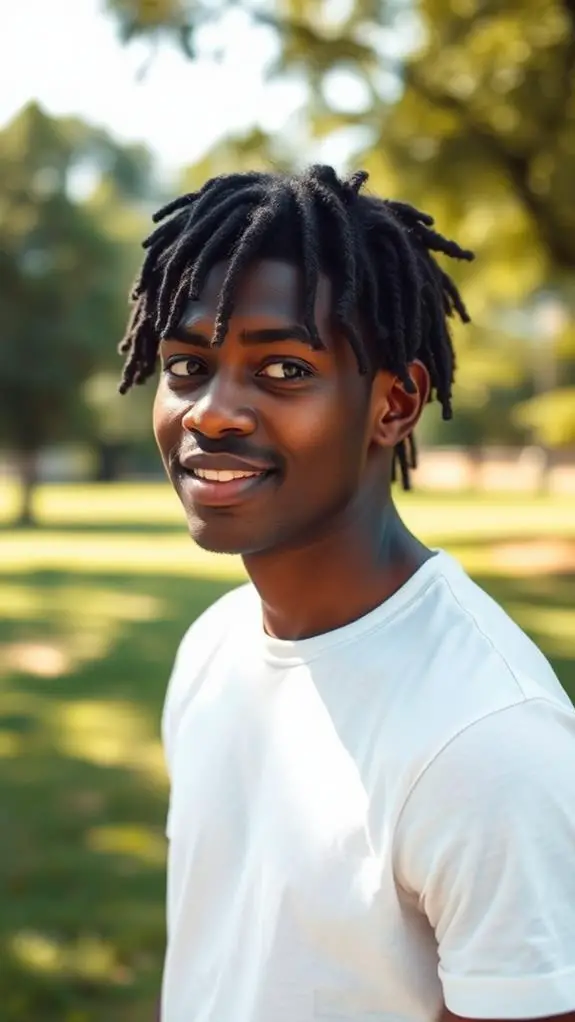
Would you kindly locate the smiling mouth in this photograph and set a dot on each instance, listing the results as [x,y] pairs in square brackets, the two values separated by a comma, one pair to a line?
[222,488]
[223,475]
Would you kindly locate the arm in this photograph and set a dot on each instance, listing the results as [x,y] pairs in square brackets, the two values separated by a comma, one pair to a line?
[486,844]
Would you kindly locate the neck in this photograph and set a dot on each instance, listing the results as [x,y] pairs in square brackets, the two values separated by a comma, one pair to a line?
[338,577]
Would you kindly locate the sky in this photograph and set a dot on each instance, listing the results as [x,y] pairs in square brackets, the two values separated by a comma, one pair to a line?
[66,54]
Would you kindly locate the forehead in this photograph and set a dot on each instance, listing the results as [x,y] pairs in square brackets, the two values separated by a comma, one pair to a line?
[266,286]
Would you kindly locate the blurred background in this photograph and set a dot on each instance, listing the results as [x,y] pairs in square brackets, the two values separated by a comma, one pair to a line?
[107,108]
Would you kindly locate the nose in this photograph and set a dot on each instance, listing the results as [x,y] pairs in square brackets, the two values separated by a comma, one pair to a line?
[218,410]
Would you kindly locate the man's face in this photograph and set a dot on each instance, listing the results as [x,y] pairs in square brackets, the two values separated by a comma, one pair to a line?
[265,440]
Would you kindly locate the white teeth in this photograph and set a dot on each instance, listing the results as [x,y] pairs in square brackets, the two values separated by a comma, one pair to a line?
[222,477]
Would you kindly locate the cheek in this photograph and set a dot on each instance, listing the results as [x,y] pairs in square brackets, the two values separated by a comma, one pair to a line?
[329,429]
[166,418]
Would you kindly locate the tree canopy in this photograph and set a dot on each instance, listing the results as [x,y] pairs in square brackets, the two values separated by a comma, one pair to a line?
[63,275]
[472,102]
[465,107]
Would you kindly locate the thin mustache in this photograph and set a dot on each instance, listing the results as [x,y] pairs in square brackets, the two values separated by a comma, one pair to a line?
[233,446]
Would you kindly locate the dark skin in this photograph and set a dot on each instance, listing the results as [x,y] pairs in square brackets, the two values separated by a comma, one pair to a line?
[321,539]
[326,524]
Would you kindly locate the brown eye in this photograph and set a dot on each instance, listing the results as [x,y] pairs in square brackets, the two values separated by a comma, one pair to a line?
[181,366]
[285,370]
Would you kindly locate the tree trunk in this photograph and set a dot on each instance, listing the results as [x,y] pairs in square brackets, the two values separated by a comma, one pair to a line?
[27,467]
[475,456]
[110,462]
[544,466]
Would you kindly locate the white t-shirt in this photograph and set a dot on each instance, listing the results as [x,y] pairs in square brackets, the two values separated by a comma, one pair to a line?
[372,821]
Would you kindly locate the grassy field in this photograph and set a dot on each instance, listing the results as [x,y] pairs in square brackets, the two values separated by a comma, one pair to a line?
[92,606]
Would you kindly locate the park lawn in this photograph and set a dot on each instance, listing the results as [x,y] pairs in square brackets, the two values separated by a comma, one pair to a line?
[92,607]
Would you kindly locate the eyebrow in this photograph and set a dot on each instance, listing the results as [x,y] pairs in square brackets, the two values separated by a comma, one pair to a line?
[268,335]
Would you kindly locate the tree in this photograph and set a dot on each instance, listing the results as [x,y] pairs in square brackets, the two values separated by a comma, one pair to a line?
[62,281]
[478,92]
[467,109]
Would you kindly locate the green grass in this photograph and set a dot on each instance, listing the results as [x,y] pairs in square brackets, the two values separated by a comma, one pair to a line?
[92,607]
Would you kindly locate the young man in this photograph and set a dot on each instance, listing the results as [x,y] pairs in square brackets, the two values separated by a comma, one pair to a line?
[372,812]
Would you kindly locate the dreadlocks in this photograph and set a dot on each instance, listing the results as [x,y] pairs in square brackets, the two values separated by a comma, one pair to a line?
[377,253]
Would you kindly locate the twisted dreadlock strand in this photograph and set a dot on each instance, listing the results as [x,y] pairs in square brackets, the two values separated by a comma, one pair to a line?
[408,270]
[435,242]
[410,215]
[391,298]
[347,303]
[311,259]
[192,281]
[452,293]
[260,225]
[356,181]
[231,181]
[199,234]
[140,345]
[177,204]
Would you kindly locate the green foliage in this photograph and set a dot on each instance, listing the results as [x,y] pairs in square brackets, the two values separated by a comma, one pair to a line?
[67,253]
[59,298]
[469,111]
[473,103]
[119,420]
[550,417]
[253,150]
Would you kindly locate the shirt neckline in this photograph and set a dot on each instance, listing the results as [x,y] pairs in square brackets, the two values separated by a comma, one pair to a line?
[286,652]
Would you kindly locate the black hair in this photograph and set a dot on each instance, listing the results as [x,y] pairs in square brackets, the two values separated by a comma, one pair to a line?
[378,254]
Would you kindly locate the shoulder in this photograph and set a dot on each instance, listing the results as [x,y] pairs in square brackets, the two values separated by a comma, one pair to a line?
[468,681]
[471,661]
[479,631]
[230,611]
[504,780]
[521,745]
[227,620]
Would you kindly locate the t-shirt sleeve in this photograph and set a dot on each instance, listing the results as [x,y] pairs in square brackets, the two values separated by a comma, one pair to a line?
[486,843]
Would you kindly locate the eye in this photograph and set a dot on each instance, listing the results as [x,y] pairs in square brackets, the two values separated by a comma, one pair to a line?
[182,366]
[285,369]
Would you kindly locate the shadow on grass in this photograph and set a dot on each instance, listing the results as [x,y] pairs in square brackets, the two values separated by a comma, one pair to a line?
[97,528]
[82,783]
[545,609]
[83,795]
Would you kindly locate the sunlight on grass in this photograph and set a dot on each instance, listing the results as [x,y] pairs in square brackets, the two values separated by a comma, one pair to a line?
[73,624]
[91,610]
[554,627]
[90,957]
[36,658]
[154,503]
[19,601]
[439,519]
[10,745]
[109,733]
[114,554]
[141,843]
[21,715]
[524,560]
[122,502]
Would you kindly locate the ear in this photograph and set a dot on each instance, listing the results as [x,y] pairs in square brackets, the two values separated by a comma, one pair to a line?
[395,410]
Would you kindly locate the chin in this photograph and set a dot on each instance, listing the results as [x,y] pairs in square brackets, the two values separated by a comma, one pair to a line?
[224,540]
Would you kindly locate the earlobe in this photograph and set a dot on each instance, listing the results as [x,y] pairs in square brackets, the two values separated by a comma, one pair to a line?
[396,410]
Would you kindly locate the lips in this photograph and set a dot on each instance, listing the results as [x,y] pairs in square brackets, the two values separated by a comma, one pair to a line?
[222,493]
[221,480]
[222,475]
[195,460]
